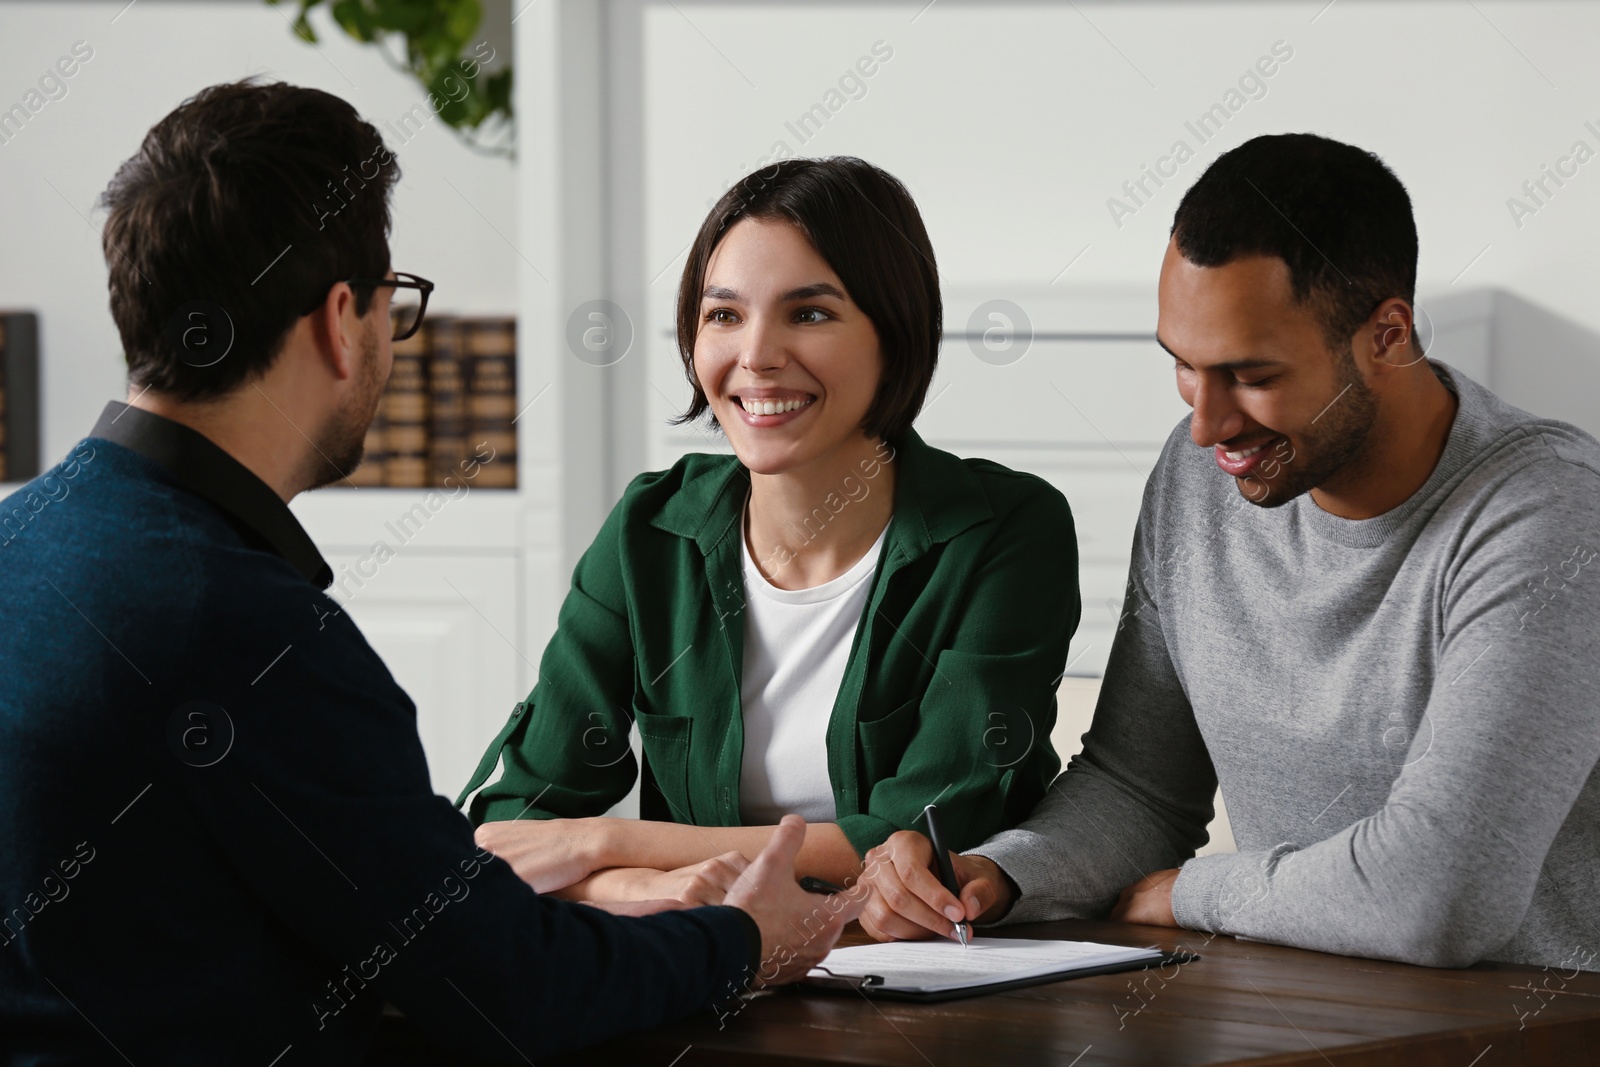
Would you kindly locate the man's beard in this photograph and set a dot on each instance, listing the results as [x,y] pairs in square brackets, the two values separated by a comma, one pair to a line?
[1335,440]
[343,441]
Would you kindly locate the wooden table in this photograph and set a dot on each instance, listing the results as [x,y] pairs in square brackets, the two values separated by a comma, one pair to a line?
[1242,1002]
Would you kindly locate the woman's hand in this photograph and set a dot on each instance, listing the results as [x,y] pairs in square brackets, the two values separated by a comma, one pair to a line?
[706,882]
[548,854]
[908,902]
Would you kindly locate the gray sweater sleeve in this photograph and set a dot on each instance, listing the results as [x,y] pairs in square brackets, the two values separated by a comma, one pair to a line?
[1443,873]
[1136,799]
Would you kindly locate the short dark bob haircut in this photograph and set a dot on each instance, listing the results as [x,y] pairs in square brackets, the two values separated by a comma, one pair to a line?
[865,225]
[1334,213]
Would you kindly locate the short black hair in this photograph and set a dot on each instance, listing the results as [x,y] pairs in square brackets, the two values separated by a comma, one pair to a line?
[863,222]
[239,211]
[1335,213]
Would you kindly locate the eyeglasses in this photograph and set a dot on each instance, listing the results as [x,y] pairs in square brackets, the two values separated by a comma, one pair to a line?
[405,309]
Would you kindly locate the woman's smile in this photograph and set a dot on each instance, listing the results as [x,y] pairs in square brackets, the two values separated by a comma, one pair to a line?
[763,408]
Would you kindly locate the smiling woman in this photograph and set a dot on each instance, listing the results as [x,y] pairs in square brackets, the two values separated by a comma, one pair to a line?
[838,620]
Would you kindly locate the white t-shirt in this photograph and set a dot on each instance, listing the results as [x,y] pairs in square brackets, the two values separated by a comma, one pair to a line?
[796,645]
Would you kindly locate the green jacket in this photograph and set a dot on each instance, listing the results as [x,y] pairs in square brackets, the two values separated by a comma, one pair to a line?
[948,696]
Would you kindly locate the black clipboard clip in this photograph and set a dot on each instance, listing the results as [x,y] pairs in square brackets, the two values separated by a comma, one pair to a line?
[845,981]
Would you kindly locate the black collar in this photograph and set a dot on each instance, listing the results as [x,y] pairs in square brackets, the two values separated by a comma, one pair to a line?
[207,471]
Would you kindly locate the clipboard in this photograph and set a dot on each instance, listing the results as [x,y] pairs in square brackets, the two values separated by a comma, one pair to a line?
[835,980]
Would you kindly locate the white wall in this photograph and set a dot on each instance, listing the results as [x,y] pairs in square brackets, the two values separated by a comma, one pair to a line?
[1013,124]
[147,59]
[1016,125]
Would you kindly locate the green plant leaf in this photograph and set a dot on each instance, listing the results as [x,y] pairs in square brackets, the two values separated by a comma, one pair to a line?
[461,19]
[302,24]
[354,18]
[436,34]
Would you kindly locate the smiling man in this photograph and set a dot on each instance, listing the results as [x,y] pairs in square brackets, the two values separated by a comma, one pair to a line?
[1364,598]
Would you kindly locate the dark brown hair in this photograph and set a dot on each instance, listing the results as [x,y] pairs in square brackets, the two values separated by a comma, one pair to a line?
[239,211]
[865,225]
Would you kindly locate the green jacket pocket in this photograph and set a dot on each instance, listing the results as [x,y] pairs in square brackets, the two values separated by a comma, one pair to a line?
[884,739]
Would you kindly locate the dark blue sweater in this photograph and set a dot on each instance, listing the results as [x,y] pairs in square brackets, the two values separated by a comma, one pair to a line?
[220,842]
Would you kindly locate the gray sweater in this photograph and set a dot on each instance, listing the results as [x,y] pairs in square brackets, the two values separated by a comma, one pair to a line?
[1403,712]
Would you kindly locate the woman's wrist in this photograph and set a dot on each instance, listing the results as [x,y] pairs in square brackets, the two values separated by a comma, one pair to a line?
[603,844]
[620,883]
[606,885]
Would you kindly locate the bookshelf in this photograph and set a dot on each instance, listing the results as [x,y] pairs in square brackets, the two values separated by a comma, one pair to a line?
[19,396]
[448,411]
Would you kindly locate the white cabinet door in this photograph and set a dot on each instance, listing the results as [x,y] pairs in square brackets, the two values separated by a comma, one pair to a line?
[447,627]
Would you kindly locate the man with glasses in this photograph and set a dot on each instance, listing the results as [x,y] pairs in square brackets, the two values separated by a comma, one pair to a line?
[221,843]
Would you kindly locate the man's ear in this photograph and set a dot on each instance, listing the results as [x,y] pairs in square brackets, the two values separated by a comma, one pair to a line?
[337,330]
[1393,335]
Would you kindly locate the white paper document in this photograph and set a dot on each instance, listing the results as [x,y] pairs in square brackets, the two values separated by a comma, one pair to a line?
[943,966]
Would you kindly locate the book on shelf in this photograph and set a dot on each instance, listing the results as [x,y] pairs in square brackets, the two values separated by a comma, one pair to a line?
[448,408]
[490,374]
[19,396]
[405,413]
[447,397]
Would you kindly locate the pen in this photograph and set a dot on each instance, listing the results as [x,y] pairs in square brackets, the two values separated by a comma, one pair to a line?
[947,871]
[817,885]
